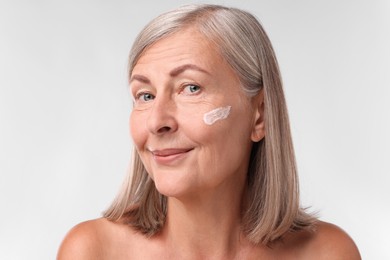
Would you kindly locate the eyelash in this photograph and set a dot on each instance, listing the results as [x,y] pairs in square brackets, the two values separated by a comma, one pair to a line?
[140,94]
[191,85]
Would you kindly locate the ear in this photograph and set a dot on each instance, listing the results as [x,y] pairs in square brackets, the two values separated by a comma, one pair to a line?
[258,129]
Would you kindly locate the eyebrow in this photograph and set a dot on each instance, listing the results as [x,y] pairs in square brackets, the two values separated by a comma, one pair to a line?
[175,72]
[140,78]
[185,67]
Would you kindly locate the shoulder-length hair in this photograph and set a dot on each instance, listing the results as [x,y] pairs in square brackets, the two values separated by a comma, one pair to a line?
[272,185]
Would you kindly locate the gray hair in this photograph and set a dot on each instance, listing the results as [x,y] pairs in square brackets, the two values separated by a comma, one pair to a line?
[273,194]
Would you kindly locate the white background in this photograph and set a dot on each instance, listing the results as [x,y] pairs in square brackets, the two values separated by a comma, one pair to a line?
[64,106]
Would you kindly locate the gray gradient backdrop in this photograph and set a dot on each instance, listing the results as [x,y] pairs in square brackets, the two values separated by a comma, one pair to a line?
[64,106]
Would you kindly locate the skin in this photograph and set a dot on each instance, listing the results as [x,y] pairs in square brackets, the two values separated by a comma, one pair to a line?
[174,83]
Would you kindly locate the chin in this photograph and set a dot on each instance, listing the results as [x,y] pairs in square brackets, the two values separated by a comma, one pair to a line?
[170,190]
[173,187]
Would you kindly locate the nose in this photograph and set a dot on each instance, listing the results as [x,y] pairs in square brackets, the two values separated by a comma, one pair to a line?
[162,117]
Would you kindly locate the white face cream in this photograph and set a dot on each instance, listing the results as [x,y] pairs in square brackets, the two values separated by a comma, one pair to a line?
[216,114]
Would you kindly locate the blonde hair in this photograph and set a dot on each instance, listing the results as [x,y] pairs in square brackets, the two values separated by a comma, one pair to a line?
[273,194]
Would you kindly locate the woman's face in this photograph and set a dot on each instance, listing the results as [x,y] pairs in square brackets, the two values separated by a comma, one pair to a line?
[175,84]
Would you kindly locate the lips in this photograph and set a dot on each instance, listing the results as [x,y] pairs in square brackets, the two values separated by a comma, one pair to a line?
[169,152]
[170,156]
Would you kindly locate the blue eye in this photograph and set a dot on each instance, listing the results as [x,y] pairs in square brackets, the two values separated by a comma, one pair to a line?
[145,97]
[191,89]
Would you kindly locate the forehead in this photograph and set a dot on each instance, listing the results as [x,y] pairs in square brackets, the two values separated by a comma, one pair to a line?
[187,45]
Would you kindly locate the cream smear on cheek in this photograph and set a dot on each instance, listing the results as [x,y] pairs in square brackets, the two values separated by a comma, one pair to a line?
[214,115]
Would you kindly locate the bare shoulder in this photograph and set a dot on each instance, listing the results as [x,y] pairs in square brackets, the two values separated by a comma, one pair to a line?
[328,241]
[331,242]
[83,241]
[93,239]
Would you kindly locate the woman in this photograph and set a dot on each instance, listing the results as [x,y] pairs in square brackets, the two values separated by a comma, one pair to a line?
[213,174]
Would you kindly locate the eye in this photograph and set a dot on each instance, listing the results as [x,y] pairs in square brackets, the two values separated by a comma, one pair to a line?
[191,89]
[145,97]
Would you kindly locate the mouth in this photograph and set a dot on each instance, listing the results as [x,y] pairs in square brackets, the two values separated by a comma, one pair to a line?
[170,151]
[171,155]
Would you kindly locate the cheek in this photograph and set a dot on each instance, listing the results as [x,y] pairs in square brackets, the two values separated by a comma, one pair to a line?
[213,136]
[215,115]
[137,128]
[230,133]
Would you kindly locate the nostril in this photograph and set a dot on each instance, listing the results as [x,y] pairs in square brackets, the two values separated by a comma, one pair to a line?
[164,129]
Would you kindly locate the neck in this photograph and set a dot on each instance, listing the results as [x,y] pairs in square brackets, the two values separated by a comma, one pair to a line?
[206,225]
